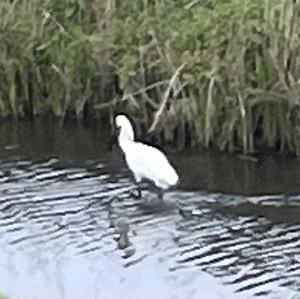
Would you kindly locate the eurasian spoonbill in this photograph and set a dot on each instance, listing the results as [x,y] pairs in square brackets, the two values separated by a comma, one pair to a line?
[144,161]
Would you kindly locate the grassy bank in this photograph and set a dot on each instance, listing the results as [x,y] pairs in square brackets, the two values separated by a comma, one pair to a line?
[221,73]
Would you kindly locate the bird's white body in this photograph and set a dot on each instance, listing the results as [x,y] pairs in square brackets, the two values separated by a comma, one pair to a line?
[145,161]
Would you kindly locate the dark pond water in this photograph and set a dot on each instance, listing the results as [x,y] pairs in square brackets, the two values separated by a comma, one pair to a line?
[66,205]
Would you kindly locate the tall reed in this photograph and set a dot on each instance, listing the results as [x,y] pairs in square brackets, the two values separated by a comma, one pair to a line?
[238,87]
[54,55]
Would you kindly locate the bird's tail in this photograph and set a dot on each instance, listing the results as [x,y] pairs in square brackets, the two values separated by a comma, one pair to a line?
[173,178]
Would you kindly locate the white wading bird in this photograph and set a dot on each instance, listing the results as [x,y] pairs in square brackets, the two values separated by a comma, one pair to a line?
[144,161]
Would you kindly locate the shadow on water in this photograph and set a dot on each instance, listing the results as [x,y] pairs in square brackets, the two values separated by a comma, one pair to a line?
[70,228]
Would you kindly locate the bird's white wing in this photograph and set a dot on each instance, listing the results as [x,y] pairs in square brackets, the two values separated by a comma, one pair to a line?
[148,162]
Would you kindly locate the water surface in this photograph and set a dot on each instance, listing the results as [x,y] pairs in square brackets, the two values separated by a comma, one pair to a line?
[65,200]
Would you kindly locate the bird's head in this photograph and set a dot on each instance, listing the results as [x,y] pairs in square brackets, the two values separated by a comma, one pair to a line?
[124,127]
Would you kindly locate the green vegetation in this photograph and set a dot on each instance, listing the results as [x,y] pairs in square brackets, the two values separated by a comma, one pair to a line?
[221,73]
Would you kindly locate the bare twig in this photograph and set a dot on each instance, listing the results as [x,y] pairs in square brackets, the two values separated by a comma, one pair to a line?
[153,104]
[132,99]
[142,90]
[165,98]
[191,4]
[104,105]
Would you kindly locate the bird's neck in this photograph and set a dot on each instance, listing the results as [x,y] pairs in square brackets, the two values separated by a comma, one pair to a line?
[125,140]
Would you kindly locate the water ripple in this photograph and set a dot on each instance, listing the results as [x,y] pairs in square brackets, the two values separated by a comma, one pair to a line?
[242,241]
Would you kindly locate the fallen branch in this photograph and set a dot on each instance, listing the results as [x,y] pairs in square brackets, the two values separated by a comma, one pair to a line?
[165,98]
[142,90]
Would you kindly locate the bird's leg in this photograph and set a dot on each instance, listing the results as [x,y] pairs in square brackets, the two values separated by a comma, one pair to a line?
[139,190]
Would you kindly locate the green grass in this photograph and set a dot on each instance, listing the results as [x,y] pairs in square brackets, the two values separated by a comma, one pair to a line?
[238,89]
